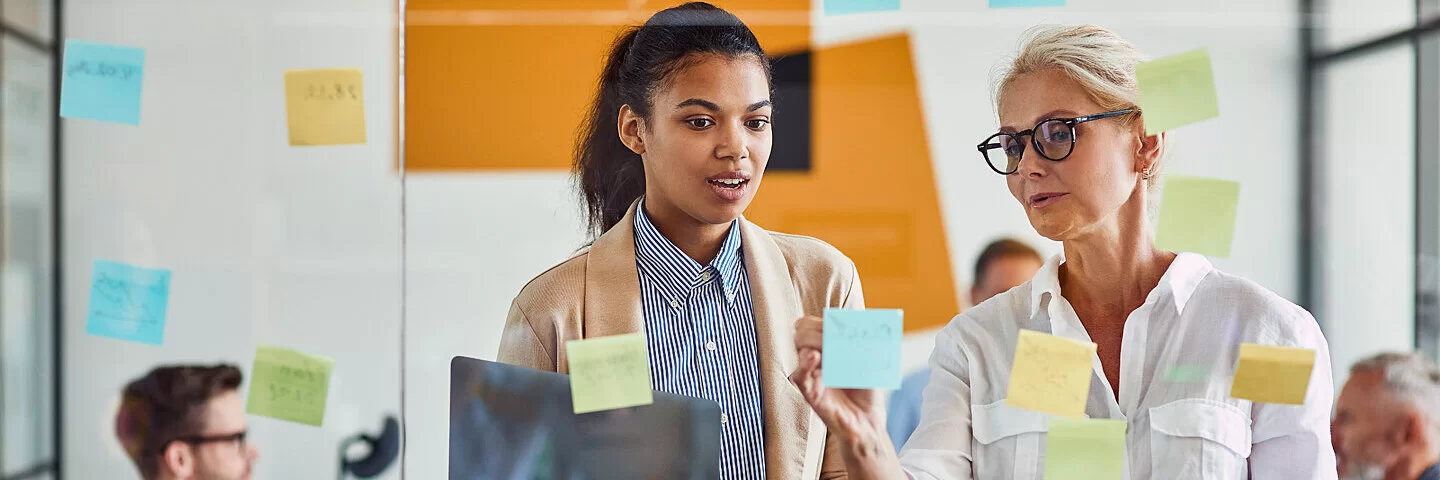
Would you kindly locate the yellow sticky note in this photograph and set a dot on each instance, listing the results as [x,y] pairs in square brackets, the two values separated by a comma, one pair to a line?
[607,373]
[289,385]
[1051,374]
[1177,90]
[325,106]
[1273,374]
[1197,215]
[1085,449]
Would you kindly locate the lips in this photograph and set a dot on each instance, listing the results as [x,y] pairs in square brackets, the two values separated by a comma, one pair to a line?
[1042,199]
[729,186]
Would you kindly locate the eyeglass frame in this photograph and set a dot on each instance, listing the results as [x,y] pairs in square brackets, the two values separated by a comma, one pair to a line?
[237,437]
[1034,143]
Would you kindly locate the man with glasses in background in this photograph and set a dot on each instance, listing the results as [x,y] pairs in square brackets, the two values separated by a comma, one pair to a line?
[186,422]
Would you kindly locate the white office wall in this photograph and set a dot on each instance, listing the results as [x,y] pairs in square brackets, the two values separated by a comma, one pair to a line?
[268,244]
[299,247]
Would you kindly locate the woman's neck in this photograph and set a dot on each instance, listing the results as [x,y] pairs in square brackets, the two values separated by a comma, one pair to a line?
[1116,264]
[699,241]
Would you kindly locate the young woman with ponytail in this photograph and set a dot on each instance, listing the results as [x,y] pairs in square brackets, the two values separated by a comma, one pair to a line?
[671,154]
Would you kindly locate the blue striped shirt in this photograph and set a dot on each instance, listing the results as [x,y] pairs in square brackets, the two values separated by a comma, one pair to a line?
[700,331]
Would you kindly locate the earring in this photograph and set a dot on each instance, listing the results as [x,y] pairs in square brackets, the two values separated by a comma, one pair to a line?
[1146,175]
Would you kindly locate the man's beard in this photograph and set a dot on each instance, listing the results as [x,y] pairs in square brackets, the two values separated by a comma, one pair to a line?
[1363,471]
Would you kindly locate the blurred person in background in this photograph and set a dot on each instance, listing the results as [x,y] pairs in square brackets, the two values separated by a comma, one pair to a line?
[1003,264]
[673,152]
[186,422]
[1073,150]
[1387,419]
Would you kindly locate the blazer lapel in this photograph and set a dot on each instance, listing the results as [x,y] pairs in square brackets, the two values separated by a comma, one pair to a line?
[776,306]
[612,283]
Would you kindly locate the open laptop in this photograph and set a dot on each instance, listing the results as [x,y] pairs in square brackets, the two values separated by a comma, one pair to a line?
[516,423]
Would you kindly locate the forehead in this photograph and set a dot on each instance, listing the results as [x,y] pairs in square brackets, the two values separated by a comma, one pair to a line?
[1363,388]
[1033,97]
[718,77]
[224,413]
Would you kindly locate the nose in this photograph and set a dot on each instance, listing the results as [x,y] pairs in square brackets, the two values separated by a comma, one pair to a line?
[734,143]
[1031,163]
[251,453]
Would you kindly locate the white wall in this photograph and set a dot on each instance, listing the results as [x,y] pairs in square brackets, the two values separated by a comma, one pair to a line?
[272,244]
[269,244]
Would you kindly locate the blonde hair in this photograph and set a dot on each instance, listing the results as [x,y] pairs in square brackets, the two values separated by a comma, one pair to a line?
[1101,62]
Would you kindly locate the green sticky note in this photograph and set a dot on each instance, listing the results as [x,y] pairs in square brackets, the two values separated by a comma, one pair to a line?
[607,373]
[1187,374]
[1177,90]
[1197,215]
[289,385]
[1085,449]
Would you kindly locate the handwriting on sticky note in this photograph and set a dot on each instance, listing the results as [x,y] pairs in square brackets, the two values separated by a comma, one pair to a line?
[842,7]
[1026,3]
[289,385]
[102,82]
[1197,215]
[325,106]
[1050,374]
[1177,90]
[128,302]
[1085,449]
[607,373]
[862,348]
[1273,374]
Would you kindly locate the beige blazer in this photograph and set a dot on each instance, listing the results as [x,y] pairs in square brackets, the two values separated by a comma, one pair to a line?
[597,293]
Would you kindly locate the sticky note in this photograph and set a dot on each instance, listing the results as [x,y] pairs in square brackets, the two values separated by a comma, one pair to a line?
[289,385]
[862,348]
[102,82]
[607,373]
[1177,90]
[842,7]
[1272,374]
[1085,449]
[325,106]
[1026,3]
[1197,215]
[127,302]
[1187,374]
[1051,374]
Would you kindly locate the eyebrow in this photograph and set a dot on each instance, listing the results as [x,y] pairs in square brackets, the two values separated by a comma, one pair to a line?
[1060,113]
[708,105]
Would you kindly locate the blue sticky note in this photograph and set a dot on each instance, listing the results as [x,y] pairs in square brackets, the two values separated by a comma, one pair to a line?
[128,302]
[841,7]
[102,82]
[1026,3]
[862,348]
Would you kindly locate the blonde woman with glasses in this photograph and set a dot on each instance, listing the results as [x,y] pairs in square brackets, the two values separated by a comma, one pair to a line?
[1073,151]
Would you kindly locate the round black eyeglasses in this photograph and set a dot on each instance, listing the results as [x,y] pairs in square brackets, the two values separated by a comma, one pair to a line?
[1053,138]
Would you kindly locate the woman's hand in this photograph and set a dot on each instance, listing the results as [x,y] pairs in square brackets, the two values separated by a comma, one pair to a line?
[853,414]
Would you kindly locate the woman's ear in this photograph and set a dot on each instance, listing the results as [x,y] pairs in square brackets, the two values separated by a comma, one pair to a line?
[629,125]
[179,459]
[1148,149]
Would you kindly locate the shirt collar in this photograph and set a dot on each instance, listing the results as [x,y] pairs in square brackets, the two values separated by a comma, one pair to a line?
[1180,280]
[659,258]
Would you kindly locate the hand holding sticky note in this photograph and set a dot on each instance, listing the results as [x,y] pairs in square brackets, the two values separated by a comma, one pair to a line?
[1273,374]
[101,82]
[862,348]
[325,106]
[607,373]
[1085,449]
[1176,91]
[289,385]
[1050,374]
[1197,215]
[128,302]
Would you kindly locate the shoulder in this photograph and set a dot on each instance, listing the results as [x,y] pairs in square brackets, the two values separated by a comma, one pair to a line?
[810,253]
[564,279]
[1266,316]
